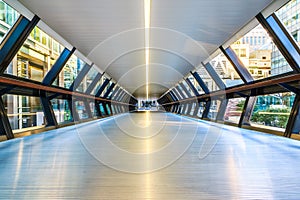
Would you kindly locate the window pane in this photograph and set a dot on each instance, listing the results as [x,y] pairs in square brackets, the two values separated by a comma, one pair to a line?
[24,111]
[97,87]
[201,109]
[273,110]
[214,109]
[69,72]
[61,110]
[209,82]
[34,59]
[188,87]
[225,70]
[262,58]
[88,79]
[234,110]
[289,15]
[182,91]
[8,17]
[81,110]
[196,85]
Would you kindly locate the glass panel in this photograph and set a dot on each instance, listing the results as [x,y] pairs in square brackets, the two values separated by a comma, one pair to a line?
[273,110]
[209,82]
[36,57]
[88,79]
[108,109]
[24,111]
[191,78]
[225,70]
[69,72]
[97,87]
[105,89]
[262,57]
[81,110]
[8,17]
[177,94]
[183,92]
[289,15]
[102,109]
[61,110]
[192,109]
[113,109]
[93,109]
[201,109]
[234,110]
[214,109]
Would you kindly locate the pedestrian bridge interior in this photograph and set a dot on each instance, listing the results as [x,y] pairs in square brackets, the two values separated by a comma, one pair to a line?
[149,99]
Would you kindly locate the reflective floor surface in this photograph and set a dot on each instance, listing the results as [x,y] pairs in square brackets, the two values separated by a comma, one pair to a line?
[150,156]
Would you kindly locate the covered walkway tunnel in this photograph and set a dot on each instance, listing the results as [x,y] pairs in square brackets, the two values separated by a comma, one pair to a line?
[149,99]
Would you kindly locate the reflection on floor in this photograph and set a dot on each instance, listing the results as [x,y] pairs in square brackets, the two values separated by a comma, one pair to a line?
[150,156]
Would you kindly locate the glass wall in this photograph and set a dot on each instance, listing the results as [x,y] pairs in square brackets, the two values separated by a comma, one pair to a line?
[62,111]
[196,85]
[97,87]
[36,56]
[8,17]
[201,109]
[182,91]
[69,72]
[260,55]
[234,110]
[273,110]
[289,15]
[209,82]
[24,111]
[225,70]
[214,109]
[88,79]
[81,110]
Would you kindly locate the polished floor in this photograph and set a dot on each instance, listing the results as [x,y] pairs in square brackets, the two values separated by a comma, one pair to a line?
[150,156]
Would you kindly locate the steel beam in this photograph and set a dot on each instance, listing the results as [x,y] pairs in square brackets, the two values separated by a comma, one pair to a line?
[5,128]
[282,39]
[247,111]
[111,87]
[114,92]
[88,109]
[185,90]
[222,110]
[14,40]
[214,75]
[94,83]
[178,96]
[180,92]
[58,66]
[206,110]
[237,64]
[293,125]
[200,82]
[103,86]
[76,83]
[48,109]
[190,84]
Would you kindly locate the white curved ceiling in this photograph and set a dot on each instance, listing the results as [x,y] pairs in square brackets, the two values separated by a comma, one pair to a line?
[110,33]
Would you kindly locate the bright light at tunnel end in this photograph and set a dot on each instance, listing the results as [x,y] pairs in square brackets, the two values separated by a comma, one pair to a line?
[147,12]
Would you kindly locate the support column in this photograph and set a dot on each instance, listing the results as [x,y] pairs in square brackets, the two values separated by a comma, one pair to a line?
[247,111]
[76,83]
[48,110]
[293,125]
[58,66]
[14,40]
[5,128]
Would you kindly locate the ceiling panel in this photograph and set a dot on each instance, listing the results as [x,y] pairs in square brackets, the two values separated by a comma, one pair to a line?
[110,33]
